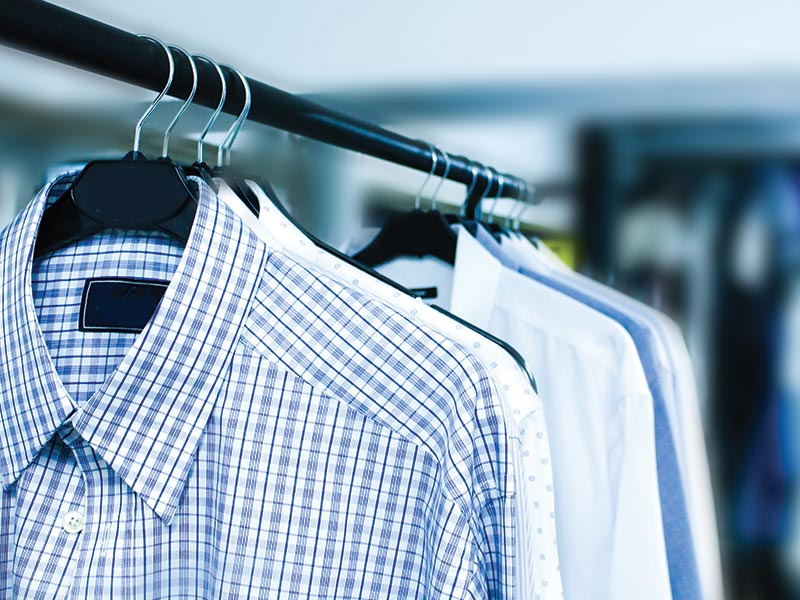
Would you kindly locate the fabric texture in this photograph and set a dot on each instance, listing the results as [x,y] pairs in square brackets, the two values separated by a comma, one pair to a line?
[539,573]
[683,408]
[599,419]
[269,434]
[684,576]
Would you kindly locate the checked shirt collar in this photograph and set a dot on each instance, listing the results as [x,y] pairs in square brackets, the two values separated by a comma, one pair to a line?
[147,419]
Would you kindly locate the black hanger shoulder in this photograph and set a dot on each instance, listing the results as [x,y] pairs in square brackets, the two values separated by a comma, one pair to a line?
[416,233]
[132,193]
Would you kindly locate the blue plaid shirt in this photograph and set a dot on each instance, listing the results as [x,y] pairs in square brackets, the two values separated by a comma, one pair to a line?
[270,433]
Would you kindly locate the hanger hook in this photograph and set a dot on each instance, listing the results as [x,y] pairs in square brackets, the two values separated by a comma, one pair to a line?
[227,143]
[447,164]
[137,132]
[186,103]
[529,195]
[222,95]
[523,192]
[434,160]
[536,199]
[501,184]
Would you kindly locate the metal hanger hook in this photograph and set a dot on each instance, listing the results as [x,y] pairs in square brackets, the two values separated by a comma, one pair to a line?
[186,103]
[501,184]
[528,201]
[137,132]
[434,161]
[523,194]
[227,143]
[447,164]
[222,95]
[536,199]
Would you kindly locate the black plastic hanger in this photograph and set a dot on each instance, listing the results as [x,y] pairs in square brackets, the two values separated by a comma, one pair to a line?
[467,219]
[235,180]
[131,193]
[416,233]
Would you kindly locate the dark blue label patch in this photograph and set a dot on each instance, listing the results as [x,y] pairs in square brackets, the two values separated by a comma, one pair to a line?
[428,293]
[119,304]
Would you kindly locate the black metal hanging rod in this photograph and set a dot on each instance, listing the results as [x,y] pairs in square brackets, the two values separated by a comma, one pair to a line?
[46,30]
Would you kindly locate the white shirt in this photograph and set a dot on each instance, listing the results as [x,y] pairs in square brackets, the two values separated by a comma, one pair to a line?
[540,577]
[683,410]
[600,420]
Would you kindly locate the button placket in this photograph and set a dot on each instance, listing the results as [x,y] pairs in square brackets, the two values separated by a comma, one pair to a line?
[76,522]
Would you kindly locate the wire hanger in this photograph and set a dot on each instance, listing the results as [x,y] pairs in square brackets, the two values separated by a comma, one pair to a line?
[524,193]
[223,93]
[131,193]
[416,233]
[168,131]
[447,165]
[527,202]
[199,168]
[236,181]
[492,227]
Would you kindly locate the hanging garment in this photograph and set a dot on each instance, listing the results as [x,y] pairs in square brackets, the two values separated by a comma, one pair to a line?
[269,433]
[674,367]
[684,577]
[600,422]
[539,574]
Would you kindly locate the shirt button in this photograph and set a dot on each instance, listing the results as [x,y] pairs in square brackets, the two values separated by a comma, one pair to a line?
[74,522]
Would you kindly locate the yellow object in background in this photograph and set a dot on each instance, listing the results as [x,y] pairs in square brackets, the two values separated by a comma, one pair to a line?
[562,247]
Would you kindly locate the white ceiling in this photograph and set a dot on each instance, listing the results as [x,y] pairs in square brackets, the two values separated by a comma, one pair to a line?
[312,45]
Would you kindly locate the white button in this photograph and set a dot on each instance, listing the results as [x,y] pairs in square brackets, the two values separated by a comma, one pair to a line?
[74,522]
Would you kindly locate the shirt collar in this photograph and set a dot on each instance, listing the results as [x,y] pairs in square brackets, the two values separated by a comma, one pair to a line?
[473,295]
[146,421]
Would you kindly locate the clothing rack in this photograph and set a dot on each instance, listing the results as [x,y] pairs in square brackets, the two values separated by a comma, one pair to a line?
[46,30]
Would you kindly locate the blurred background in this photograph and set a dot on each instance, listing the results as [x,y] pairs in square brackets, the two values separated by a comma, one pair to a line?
[663,140]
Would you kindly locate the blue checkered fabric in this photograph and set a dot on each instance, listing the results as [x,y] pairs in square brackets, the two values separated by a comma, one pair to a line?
[269,434]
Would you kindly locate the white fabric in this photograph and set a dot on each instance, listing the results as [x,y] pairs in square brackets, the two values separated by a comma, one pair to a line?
[428,272]
[541,577]
[544,251]
[683,410]
[513,244]
[600,419]
[359,241]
